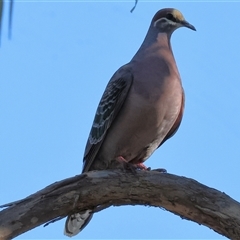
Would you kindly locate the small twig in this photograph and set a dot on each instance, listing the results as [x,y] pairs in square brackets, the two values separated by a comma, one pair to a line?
[10,15]
[1,17]
[102,207]
[136,1]
[11,204]
[53,221]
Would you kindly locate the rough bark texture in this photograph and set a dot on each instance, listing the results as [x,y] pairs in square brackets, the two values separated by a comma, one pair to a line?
[182,196]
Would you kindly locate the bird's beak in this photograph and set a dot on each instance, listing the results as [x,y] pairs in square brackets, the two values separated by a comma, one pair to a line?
[188,25]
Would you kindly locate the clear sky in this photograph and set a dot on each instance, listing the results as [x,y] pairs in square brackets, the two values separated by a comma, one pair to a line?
[53,73]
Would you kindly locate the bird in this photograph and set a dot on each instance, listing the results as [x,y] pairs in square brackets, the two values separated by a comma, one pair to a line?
[141,107]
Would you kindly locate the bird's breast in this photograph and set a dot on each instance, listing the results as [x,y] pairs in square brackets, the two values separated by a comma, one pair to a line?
[149,112]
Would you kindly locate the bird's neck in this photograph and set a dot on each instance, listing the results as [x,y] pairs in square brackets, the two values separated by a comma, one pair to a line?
[157,49]
[163,39]
[154,44]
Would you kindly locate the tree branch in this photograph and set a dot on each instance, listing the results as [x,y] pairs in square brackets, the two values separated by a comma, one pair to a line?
[101,189]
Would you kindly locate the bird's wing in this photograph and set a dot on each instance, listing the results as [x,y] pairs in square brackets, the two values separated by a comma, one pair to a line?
[177,122]
[108,108]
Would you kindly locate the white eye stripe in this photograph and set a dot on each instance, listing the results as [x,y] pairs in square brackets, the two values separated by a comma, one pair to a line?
[164,22]
[156,22]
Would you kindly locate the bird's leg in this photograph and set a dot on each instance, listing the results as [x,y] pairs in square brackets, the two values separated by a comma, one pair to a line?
[125,165]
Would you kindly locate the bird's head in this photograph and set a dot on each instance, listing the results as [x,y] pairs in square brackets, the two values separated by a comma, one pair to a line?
[169,19]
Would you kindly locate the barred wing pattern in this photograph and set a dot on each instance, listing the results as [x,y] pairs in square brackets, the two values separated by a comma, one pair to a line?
[108,108]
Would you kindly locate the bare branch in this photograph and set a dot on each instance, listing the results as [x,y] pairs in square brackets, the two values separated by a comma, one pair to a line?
[179,195]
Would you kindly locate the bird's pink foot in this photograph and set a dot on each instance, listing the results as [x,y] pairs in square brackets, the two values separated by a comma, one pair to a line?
[131,166]
[141,166]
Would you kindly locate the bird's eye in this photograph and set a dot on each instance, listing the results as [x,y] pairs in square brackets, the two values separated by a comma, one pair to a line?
[171,17]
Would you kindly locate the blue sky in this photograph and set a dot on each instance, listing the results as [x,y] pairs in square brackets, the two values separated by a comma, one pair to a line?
[53,73]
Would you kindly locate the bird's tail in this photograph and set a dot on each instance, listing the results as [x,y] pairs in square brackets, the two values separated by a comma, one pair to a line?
[76,222]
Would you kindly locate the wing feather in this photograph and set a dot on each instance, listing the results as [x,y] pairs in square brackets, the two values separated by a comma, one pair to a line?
[108,108]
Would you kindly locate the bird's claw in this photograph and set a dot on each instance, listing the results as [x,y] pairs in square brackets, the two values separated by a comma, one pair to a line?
[130,166]
[161,170]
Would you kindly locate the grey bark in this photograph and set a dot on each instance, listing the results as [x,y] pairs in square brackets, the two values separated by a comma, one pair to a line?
[100,189]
